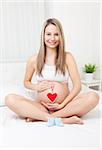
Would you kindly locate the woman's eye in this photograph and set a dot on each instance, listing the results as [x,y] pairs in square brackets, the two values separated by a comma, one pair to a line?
[56,34]
[48,34]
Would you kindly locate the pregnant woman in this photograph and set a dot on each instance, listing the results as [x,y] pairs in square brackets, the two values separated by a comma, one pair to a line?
[52,66]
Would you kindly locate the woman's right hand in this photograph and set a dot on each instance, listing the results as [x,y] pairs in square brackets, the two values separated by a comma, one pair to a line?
[43,85]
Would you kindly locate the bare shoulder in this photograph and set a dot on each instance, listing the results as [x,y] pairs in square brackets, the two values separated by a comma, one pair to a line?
[69,57]
[68,54]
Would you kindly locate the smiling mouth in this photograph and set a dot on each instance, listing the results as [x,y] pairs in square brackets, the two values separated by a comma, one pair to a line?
[52,43]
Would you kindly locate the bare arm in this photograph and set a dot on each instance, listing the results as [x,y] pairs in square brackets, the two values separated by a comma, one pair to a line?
[30,69]
[73,71]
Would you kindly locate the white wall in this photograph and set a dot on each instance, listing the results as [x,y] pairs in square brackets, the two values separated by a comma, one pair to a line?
[21,28]
[22,21]
[101,40]
[81,24]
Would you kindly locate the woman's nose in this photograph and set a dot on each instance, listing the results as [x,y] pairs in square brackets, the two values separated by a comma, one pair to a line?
[52,37]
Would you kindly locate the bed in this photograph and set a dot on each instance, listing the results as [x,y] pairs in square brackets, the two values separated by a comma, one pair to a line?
[16,133]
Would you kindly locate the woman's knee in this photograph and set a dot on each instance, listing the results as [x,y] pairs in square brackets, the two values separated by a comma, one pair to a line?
[94,97]
[9,99]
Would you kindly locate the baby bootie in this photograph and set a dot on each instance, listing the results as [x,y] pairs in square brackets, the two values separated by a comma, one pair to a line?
[58,122]
[51,122]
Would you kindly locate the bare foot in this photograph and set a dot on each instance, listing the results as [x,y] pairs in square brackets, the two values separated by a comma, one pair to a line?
[29,119]
[72,120]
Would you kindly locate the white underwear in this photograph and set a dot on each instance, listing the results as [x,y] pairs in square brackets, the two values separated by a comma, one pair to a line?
[49,73]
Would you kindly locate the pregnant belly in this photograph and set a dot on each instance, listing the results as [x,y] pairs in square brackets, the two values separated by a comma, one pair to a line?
[57,94]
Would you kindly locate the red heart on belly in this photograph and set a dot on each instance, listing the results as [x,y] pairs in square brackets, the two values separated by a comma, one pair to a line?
[52,96]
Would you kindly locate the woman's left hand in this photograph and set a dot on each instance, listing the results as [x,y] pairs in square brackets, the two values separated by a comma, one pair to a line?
[54,106]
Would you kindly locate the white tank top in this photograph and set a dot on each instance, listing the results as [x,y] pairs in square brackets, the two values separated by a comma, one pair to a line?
[49,73]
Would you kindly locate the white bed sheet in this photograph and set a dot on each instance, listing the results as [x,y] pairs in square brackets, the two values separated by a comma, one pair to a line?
[15,132]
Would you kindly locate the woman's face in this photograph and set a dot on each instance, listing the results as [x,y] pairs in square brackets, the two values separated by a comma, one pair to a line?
[51,36]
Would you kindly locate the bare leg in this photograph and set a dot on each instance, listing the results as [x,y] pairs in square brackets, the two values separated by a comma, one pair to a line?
[69,114]
[25,108]
[72,120]
[79,106]
[32,110]
[40,106]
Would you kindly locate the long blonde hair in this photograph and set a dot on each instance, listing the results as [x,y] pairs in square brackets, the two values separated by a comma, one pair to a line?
[60,59]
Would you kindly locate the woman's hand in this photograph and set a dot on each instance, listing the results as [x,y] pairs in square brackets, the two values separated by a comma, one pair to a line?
[54,106]
[43,85]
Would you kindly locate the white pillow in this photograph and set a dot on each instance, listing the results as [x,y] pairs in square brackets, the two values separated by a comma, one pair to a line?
[18,89]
